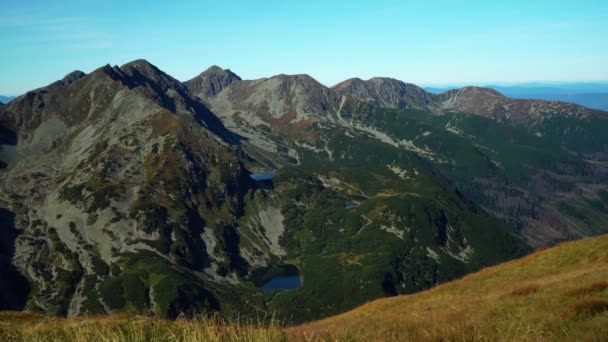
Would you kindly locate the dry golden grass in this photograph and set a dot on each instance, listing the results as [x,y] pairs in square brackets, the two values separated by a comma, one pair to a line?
[529,299]
[586,290]
[587,307]
[121,327]
[524,291]
[556,294]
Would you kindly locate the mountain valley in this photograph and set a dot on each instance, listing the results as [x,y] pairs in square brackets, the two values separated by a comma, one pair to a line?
[127,190]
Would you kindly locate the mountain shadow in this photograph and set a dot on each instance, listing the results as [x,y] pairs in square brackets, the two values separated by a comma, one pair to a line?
[14,287]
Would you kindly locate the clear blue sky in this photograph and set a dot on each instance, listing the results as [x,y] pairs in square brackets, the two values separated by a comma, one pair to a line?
[424,42]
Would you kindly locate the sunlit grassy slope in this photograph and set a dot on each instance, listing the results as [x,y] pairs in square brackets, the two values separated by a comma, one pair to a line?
[556,294]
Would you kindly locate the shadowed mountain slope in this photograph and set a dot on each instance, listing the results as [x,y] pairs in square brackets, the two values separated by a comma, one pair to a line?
[211,81]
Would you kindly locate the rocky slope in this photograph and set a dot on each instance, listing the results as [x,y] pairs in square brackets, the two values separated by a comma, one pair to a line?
[283,126]
[387,92]
[490,103]
[211,81]
[107,169]
[125,189]
[267,111]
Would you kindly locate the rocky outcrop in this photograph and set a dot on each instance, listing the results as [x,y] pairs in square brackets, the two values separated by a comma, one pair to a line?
[211,82]
[105,169]
[387,92]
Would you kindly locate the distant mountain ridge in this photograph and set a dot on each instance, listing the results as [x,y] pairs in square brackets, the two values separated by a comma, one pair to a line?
[387,92]
[273,119]
[392,93]
[591,95]
[6,99]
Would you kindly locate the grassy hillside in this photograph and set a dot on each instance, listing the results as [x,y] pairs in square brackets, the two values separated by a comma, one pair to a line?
[18,326]
[556,294]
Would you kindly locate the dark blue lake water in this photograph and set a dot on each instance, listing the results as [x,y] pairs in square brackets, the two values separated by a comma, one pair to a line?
[262,176]
[282,283]
[350,206]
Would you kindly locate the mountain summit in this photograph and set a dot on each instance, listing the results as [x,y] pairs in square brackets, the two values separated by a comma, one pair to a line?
[127,166]
[211,81]
[386,92]
[490,103]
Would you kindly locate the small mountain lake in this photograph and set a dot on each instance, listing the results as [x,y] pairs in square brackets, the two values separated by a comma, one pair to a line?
[262,176]
[350,206]
[276,277]
[282,283]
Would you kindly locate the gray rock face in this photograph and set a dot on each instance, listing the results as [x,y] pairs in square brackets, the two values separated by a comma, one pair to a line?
[284,104]
[105,169]
[387,92]
[211,81]
[300,96]
[73,77]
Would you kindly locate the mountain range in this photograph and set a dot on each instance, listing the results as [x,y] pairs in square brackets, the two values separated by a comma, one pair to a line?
[6,99]
[591,95]
[126,189]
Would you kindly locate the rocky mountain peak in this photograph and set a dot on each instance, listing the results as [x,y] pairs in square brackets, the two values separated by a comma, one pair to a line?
[301,84]
[211,81]
[216,70]
[490,103]
[73,77]
[68,79]
[349,85]
[387,92]
[141,70]
[73,102]
[284,103]
[304,78]
[140,64]
[472,91]
[385,80]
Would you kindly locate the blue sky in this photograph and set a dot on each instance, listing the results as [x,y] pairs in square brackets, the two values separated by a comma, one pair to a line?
[424,42]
